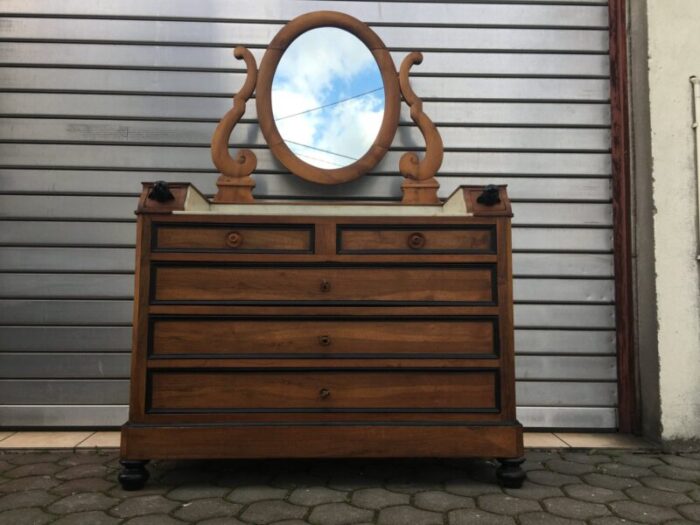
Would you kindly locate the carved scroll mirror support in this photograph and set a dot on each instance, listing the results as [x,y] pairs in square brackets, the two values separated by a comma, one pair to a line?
[235,183]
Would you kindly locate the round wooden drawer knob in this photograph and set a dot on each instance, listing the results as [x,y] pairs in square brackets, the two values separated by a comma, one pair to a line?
[325,285]
[234,239]
[324,340]
[324,393]
[416,241]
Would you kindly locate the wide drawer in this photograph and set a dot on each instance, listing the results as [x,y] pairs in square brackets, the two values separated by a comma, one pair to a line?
[238,238]
[469,337]
[415,239]
[423,390]
[453,284]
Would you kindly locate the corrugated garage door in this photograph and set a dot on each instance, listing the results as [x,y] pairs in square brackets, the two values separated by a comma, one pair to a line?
[99,96]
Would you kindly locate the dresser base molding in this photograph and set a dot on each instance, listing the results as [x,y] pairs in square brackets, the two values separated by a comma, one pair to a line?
[144,442]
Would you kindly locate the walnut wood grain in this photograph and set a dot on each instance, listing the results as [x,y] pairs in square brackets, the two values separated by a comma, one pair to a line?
[271,284]
[326,390]
[331,337]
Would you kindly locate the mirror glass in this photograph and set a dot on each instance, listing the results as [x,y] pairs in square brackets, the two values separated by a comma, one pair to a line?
[328,98]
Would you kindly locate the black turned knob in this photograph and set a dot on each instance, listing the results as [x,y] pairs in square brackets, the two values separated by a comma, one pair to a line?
[489,196]
[161,192]
[324,393]
[324,340]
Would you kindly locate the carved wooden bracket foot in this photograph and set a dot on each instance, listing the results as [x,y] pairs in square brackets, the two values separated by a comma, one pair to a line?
[234,189]
[420,191]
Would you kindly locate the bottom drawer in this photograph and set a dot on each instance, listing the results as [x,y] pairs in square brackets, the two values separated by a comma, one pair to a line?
[338,390]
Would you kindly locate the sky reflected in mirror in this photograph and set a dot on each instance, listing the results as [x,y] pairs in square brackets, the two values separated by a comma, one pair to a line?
[328,98]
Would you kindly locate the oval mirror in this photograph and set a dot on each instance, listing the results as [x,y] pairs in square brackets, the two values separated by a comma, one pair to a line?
[328,97]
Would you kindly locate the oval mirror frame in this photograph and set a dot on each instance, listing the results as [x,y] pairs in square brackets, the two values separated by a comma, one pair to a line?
[392,98]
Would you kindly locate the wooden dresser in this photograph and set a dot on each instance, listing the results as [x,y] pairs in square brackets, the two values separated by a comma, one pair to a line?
[322,330]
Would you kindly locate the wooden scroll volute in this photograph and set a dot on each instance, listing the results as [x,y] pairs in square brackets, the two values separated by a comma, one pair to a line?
[235,183]
[420,186]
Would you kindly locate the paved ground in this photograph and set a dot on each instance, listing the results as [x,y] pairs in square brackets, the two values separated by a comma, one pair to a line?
[565,487]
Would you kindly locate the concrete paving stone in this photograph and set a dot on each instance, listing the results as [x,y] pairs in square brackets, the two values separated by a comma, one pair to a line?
[192,492]
[31,516]
[592,458]
[143,505]
[477,517]
[185,477]
[593,494]
[681,461]
[25,458]
[153,519]
[230,521]
[405,514]
[531,490]
[576,509]
[440,501]
[609,482]
[623,471]
[539,455]
[378,498]
[151,489]
[681,522]
[694,455]
[264,512]
[5,465]
[256,493]
[81,457]
[30,498]
[569,467]
[311,496]
[543,518]
[695,494]
[411,485]
[88,470]
[286,522]
[82,502]
[552,479]
[638,460]
[642,512]
[532,465]
[244,478]
[671,472]
[471,488]
[95,517]
[33,469]
[661,498]
[82,485]
[339,514]
[29,483]
[292,480]
[203,509]
[353,480]
[690,511]
[613,520]
[504,504]
[670,485]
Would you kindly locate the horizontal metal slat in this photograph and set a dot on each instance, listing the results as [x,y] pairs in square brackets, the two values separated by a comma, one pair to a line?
[528,341]
[116,391]
[257,34]
[82,286]
[182,158]
[92,416]
[566,368]
[569,393]
[225,84]
[92,182]
[118,312]
[196,133]
[593,14]
[61,206]
[65,338]
[596,418]
[183,57]
[182,107]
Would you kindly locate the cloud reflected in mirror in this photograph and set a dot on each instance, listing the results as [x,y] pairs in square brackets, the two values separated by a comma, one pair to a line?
[328,98]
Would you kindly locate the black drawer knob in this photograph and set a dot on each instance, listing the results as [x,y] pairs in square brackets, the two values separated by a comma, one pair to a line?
[324,340]
[416,241]
[324,393]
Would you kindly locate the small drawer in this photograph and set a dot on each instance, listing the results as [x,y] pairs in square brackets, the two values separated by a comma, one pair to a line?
[338,390]
[416,239]
[445,283]
[450,337]
[240,238]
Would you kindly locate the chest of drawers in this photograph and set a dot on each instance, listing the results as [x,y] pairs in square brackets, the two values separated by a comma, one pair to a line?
[314,330]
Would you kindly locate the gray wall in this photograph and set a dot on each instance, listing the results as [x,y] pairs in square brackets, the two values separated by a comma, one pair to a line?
[99,96]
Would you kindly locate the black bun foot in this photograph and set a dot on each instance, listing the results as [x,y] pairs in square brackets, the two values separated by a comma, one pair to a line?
[133,475]
[510,474]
